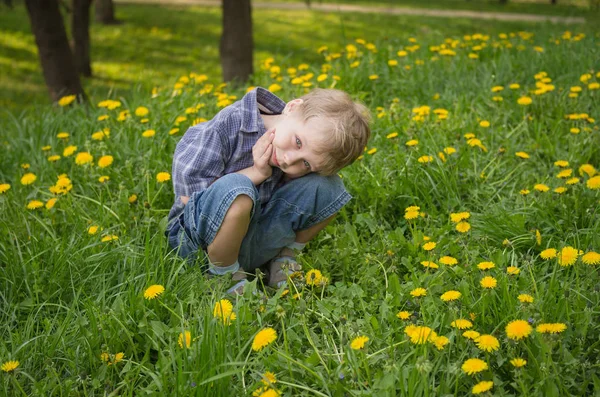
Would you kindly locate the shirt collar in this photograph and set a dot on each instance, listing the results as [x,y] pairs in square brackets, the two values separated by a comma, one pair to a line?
[253,103]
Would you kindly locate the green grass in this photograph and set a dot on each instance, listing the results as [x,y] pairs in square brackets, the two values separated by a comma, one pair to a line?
[67,297]
[157,43]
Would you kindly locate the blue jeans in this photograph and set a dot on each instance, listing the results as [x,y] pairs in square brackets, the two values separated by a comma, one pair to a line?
[296,205]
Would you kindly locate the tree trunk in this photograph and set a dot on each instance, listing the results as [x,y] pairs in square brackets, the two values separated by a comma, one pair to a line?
[105,12]
[53,47]
[553,2]
[80,22]
[237,44]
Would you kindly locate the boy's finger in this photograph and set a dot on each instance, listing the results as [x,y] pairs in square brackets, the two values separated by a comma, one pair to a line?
[268,152]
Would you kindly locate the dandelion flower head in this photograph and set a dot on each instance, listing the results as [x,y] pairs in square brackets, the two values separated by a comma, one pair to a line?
[153,291]
[473,366]
[518,329]
[264,338]
[359,342]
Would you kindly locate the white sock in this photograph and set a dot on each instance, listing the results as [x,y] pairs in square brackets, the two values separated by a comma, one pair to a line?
[222,270]
[296,246]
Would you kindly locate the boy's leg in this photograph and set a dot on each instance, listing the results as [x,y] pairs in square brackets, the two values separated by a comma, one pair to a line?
[225,247]
[304,236]
[216,221]
[295,213]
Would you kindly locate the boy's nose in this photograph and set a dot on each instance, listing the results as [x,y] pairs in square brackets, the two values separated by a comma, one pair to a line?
[289,158]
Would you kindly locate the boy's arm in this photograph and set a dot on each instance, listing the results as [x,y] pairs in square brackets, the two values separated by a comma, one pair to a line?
[261,169]
[198,160]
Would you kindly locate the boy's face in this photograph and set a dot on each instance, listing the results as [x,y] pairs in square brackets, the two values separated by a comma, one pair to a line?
[295,143]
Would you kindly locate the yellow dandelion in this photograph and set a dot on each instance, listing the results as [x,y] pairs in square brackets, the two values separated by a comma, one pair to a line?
[429,246]
[66,100]
[163,177]
[9,366]
[69,150]
[486,265]
[268,378]
[148,133]
[313,277]
[359,342]
[450,296]
[524,101]
[184,336]
[525,298]
[421,334]
[473,366]
[132,199]
[488,282]
[513,270]
[264,338]
[568,256]
[223,311]
[518,329]
[463,227]
[403,315]
[418,292]
[470,334]
[487,343]
[540,187]
[429,264]
[412,142]
[457,217]
[408,215]
[28,178]
[440,342]
[153,291]
[83,158]
[518,362]
[4,187]
[587,169]
[484,123]
[593,183]
[141,111]
[448,260]
[548,253]
[34,205]
[461,323]
[105,161]
[483,386]
[50,203]
[591,258]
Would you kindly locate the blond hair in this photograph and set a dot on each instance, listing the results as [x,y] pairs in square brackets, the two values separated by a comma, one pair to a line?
[347,132]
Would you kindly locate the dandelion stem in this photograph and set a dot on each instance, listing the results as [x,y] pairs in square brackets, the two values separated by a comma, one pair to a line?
[171,310]
[386,348]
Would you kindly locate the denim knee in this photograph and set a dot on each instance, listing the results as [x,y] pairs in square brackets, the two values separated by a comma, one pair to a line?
[205,211]
[313,198]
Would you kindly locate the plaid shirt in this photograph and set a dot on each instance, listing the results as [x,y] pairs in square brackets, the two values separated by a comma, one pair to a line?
[222,146]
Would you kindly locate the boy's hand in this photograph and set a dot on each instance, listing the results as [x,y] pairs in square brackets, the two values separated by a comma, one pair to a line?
[262,152]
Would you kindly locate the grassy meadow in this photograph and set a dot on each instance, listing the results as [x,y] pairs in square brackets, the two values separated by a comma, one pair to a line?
[466,263]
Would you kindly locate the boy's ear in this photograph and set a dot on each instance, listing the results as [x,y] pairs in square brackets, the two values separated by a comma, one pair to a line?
[292,105]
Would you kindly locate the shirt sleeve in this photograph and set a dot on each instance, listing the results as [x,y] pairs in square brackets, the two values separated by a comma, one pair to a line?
[200,156]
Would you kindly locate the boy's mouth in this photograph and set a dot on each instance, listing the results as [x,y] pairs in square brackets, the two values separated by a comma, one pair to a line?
[275,158]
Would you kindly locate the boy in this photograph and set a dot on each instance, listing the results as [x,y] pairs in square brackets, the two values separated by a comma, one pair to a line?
[259,180]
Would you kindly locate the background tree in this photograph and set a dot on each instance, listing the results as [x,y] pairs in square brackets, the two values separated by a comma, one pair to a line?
[80,23]
[237,44]
[105,12]
[55,54]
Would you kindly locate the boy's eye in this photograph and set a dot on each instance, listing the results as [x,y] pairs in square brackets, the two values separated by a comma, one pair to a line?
[306,164]
[298,142]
